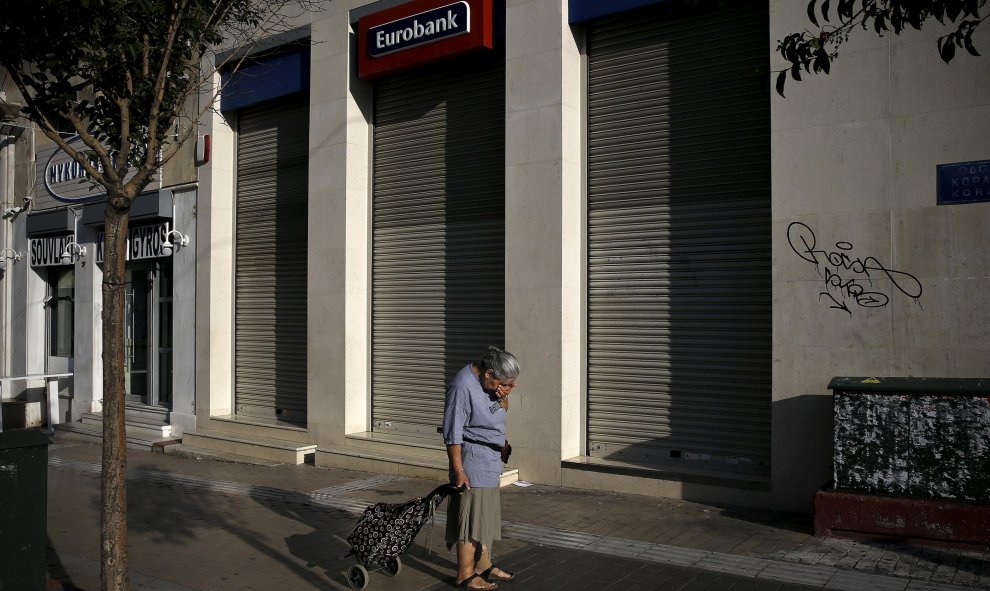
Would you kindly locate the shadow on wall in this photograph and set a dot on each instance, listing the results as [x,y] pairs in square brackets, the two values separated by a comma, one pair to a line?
[439,233]
[474,298]
[680,306]
[272,254]
[802,450]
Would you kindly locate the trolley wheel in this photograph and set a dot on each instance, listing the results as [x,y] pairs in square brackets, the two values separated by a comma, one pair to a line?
[357,577]
[393,566]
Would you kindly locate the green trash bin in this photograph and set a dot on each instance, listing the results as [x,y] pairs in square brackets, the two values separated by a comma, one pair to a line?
[23,509]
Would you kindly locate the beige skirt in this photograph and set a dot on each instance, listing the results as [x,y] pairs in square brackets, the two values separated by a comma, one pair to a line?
[474,515]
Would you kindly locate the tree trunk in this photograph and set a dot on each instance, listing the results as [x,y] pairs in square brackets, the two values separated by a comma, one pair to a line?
[113,491]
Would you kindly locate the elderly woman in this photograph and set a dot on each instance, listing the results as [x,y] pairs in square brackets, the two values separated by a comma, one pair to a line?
[474,431]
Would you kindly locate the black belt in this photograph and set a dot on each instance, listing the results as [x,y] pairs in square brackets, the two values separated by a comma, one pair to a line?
[494,446]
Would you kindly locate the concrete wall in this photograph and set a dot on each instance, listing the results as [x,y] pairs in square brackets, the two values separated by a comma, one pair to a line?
[854,157]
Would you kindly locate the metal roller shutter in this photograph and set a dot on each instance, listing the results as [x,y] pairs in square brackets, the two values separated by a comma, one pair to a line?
[439,236]
[270,269]
[679,305]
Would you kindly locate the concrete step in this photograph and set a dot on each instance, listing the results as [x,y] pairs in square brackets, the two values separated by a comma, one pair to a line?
[239,425]
[150,432]
[392,459]
[146,413]
[279,450]
[388,443]
[140,427]
[198,453]
[78,431]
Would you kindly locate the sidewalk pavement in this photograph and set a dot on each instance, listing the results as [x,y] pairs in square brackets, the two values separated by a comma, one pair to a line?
[217,525]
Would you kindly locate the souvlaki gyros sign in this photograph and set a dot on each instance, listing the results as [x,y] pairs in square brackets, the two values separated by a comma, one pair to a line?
[65,179]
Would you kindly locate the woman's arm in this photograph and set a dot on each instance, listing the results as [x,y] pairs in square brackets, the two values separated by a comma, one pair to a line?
[454,458]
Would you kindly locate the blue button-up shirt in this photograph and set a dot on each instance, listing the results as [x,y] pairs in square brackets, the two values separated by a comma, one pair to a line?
[470,412]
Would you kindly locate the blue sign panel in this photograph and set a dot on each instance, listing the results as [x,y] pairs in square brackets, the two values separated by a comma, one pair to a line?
[963,182]
[268,78]
[433,25]
[579,11]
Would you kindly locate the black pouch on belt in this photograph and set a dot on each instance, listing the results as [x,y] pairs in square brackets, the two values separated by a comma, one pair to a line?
[505,450]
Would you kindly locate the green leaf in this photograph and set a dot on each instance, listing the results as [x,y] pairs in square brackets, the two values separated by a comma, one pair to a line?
[781,78]
[879,25]
[845,9]
[947,49]
[952,9]
[914,17]
[822,60]
[938,11]
[968,43]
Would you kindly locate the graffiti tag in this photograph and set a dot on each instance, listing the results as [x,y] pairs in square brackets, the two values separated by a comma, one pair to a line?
[848,277]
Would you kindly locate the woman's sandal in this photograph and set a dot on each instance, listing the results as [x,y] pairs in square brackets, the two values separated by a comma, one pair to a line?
[485,586]
[502,575]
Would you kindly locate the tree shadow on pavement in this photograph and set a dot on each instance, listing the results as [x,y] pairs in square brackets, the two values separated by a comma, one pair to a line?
[326,546]
[179,515]
[56,570]
[309,540]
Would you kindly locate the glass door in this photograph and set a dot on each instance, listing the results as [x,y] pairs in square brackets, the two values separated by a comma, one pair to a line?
[148,333]
[137,292]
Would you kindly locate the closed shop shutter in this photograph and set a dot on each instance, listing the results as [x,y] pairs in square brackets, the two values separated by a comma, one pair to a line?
[438,232]
[270,270]
[679,305]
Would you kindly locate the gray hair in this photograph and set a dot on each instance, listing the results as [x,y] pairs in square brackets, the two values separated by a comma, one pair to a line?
[503,364]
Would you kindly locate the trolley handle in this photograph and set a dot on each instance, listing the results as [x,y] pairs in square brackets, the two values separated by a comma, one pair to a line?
[445,490]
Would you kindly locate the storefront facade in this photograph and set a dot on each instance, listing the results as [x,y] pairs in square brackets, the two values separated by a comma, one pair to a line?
[613,196]
[53,294]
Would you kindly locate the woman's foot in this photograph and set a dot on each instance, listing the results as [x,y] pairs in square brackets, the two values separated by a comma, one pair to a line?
[494,573]
[476,583]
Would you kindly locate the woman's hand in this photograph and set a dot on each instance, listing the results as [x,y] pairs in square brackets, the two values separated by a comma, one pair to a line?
[502,393]
[461,479]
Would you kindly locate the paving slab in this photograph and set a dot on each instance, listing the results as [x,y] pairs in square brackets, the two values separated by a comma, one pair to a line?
[210,524]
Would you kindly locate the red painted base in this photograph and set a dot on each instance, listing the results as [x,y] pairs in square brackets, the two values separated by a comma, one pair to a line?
[921,521]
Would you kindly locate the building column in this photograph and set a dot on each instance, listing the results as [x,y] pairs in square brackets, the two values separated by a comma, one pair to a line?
[544,219]
[213,246]
[339,233]
[87,354]
[183,415]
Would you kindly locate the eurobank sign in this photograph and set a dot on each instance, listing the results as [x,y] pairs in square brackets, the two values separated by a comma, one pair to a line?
[421,31]
[431,26]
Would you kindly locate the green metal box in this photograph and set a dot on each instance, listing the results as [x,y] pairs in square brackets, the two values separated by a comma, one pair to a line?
[912,437]
[23,509]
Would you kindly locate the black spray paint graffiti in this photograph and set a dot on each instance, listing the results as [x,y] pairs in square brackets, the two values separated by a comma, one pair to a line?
[844,275]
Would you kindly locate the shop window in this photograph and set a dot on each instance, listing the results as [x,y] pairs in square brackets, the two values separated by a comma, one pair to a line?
[61,317]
